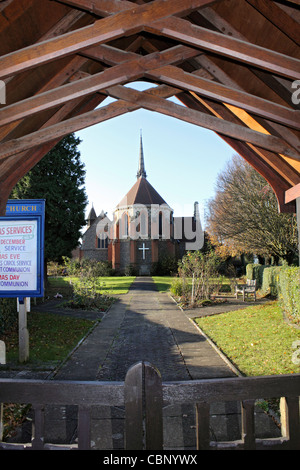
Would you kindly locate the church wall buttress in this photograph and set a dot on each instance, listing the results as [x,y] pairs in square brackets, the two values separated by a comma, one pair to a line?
[154,251]
[132,252]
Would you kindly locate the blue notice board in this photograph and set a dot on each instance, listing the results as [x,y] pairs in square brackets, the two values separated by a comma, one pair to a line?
[22,249]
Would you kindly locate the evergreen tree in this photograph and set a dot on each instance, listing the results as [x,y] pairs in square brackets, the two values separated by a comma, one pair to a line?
[59,179]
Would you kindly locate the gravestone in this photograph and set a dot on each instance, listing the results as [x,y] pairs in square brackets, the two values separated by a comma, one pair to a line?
[2,353]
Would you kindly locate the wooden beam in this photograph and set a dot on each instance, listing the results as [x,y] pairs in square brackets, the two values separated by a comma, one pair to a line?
[12,167]
[104,30]
[110,7]
[17,166]
[245,134]
[280,130]
[60,78]
[60,129]
[26,160]
[278,185]
[278,17]
[242,51]
[122,73]
[293,193]
[297,2]
[148,17]
[271,166]
[153,103]
[273,160]
[190,82]
[99,7]
[257,51]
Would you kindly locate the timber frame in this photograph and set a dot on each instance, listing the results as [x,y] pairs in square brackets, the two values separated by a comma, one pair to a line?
[234,64]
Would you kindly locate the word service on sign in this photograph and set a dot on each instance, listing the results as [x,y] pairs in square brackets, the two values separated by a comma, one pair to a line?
[21,249]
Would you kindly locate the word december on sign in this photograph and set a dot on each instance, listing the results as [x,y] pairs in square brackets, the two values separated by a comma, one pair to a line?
[22,249]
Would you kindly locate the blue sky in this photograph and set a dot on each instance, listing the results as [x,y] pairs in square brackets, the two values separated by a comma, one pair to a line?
[182,160]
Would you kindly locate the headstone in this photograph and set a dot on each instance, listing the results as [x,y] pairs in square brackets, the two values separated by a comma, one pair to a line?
[2,353]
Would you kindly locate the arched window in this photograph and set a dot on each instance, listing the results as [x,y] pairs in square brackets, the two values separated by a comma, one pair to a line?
[102,241]
[160,224]
[124,226]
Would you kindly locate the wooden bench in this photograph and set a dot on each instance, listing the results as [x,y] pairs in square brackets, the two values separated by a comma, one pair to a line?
[246,289]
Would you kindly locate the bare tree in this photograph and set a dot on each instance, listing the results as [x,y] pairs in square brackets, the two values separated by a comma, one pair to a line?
[243,217]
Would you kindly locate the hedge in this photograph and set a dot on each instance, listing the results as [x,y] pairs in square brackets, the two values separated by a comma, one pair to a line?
[282,282]
[289,292]
[270,280]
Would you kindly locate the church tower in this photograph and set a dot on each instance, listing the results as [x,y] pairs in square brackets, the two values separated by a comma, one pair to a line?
[141,233]
[143,225]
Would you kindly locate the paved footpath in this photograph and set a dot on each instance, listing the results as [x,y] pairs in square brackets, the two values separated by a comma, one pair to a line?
[145,325]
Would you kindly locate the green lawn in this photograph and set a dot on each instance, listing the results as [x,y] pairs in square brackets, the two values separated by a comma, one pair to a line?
[113,285]
[163,283]
[51,337]
[256,339]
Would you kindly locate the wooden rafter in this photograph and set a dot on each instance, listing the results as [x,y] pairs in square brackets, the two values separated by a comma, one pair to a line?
[124,72]
[148,17]
[125,22]
[153,103]
[193,49]
[278,17]
[267,109]
[229,47]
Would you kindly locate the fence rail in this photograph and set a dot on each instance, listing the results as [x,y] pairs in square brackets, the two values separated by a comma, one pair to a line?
[144,395]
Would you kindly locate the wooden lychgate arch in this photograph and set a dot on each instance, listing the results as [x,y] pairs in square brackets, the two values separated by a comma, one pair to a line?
[234,64]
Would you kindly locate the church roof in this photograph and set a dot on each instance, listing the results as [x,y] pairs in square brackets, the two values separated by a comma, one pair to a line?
[142,192]
[92,214]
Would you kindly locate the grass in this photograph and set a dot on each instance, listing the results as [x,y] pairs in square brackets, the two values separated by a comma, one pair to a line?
[163,283]
[256,339]
[112,285]
[51,337]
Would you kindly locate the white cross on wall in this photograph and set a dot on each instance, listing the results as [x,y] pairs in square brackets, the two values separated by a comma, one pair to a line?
[144,250]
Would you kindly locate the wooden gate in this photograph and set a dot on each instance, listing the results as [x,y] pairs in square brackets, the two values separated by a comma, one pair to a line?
[143,395]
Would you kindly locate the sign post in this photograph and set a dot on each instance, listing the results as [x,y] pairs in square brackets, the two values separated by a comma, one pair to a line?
[22,259]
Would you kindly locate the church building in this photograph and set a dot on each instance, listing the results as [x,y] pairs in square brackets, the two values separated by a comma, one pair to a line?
[143,229]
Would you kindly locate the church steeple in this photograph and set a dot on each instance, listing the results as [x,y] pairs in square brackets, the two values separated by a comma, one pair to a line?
[141,170]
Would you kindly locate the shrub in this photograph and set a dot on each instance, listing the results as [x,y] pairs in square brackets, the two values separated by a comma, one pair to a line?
[255,271]
[130,270]
[165,266]
[87,267]
[180,287]
[201,268]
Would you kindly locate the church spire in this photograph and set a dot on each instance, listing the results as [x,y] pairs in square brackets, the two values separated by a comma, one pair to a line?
[141,170]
